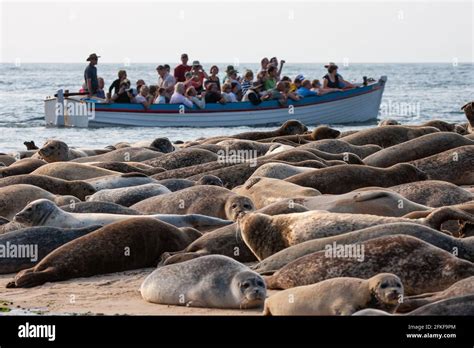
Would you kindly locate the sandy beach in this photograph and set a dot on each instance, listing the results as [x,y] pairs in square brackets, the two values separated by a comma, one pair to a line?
[108,294]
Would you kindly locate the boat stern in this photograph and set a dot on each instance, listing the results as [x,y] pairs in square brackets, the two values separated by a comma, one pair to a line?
[67,112]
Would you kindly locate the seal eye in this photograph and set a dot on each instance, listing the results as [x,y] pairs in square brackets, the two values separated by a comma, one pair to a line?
[384,285]
[260,283]
[234,206]
[245,285]
[399,285]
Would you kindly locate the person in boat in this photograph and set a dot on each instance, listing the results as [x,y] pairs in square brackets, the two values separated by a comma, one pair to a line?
[296,83]
[247,81]
[263,64]
[271,81]
[305,90]
[333,80]
[139,84]
[178,96]
[227,93]
[317,87]
[281,92]
[233,78]
[142,97]
[213,95]
[192,80]
[191,94]
[115,86]
[125,94]
[153,90]
[160,96]
[100,89]
[90,75]
[181,69]
[214,71]
[253,94]
[274,62]
[201,75]
[166,81]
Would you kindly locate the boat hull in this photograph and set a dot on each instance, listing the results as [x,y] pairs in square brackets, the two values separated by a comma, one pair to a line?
[351,106]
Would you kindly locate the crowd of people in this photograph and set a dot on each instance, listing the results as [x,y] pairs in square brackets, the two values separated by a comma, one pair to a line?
[191,85]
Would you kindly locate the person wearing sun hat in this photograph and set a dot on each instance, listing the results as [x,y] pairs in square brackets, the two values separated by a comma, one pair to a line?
[90,75]
[332,80]
[201,75]
[296,83]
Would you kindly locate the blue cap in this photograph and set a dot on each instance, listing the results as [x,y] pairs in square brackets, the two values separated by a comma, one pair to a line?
[299,78]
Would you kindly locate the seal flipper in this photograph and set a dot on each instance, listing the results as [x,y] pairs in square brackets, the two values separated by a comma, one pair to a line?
[29,278]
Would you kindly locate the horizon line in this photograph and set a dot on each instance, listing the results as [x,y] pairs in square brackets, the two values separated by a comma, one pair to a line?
[240,63]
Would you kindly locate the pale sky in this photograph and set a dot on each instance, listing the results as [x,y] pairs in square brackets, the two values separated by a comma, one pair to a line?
[243,31]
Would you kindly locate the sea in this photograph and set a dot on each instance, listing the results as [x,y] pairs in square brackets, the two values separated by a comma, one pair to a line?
[414,93]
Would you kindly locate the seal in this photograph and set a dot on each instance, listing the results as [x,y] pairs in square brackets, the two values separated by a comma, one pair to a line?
[387,136]
[469,112]
[266,235]
[163,145]
[283,170]
[127,196]
[338,296]
[71,171]
[23,166]
[412,259]
[7,160]
[318,133]
[182,158]
[290,127]
[433,193]
[462,247]
[30,145]
[128,167]
[178,184]
[98,207]
[128,154]
[266,191]
[226,240]
[206,200]
[56,151]
[213,281]
[15,197]
[461,288]
[43,212]
[339,146]
[38,241]
[373,202]
[455,165]
[421,147]
[346,178]
[77,188]
[130,244]
[119,180]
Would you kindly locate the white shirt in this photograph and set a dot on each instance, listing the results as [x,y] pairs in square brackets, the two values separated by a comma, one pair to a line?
[139,99]
[160,100]
[166,81]
[177,98]
[230,97]
[200,103]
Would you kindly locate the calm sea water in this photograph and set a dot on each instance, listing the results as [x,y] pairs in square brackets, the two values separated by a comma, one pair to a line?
[414,93]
